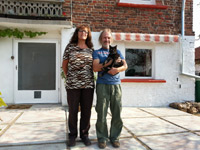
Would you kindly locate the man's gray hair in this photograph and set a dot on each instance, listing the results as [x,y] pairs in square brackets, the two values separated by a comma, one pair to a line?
[101,34]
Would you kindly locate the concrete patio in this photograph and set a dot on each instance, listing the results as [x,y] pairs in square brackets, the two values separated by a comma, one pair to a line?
[44,127]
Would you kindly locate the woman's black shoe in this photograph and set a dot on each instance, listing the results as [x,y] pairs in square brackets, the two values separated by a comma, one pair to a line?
[86,141]
[71,142]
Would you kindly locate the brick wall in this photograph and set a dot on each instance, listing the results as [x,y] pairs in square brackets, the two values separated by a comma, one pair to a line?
[100,14]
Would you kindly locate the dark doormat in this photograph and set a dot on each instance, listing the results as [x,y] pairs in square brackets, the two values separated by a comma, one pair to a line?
[19,106]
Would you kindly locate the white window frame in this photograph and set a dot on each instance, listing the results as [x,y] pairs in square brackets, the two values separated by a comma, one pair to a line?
[123,76]
[149,2]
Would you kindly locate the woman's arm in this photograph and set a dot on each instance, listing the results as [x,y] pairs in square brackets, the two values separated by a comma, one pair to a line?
[65,66]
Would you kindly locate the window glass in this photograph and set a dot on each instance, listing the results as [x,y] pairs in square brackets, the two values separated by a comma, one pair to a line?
[139,62]
[37,66]
[138,1]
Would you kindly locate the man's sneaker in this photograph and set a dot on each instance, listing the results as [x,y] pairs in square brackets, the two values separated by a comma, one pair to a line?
[86,141]
[102,145]
[115,144]
[71,142]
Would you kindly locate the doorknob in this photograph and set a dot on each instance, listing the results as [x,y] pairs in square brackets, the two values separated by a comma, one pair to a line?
[16,67]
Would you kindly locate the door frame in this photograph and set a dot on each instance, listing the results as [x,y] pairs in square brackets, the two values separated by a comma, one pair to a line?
[58,69]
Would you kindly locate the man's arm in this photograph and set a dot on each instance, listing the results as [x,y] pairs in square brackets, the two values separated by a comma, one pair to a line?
[114,71]
[97,66]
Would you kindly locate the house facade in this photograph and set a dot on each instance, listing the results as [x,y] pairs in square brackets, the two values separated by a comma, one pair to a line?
[155,38]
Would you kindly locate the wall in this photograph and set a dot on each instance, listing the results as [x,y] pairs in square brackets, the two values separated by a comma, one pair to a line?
[101,14]
[176,89]
[66,35]
[168,57]
[7,67]
[168,60]
[167,63]
[188,54]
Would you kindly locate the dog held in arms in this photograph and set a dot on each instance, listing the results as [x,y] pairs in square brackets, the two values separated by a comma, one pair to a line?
[113,56]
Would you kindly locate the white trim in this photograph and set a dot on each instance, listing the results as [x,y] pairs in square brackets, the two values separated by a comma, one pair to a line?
[57,91]
[152,2]
[152,65]
[27,23]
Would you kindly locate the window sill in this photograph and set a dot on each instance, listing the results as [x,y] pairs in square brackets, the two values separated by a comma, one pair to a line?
[142,6]
[144,80]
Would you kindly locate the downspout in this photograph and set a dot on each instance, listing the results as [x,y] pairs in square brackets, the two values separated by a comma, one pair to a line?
[182,39]
[71,9]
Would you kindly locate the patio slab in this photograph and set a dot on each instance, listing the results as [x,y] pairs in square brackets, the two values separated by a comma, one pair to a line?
[42,116]
[150,126]
[92,131]
[126,144]
[198,133]
[8,117]
[44,127]
[185,121]
[180,141]
[34,133]
[93,114]
[60,146]
[165,111]
[47,107]
[2,128]
[129,112]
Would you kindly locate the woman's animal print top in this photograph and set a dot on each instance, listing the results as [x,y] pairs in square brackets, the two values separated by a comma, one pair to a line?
[80,73]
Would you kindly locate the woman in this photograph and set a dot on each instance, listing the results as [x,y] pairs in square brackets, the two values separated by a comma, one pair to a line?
[77,67]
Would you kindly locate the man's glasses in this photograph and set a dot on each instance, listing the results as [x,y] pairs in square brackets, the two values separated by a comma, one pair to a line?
[83,31]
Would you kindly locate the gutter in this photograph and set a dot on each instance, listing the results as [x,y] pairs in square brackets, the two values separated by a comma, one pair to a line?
[182,39]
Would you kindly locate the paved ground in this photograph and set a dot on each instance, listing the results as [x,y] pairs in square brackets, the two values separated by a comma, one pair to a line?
[44,127]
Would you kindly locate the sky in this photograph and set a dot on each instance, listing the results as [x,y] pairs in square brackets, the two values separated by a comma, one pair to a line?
[196,21]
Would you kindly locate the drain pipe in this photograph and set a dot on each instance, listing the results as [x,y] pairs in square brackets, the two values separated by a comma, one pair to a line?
[71,5]
[182,39]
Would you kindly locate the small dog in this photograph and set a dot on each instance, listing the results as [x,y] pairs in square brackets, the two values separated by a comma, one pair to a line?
[113,55]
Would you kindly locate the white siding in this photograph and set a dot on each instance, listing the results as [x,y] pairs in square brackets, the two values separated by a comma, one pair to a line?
[6,69]
[167,65]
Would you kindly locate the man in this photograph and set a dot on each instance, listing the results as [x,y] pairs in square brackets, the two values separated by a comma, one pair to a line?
[108,91]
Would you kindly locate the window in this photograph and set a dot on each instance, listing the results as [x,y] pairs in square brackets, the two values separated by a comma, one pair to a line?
[34,57]
[50,0]
[151,2]
[139,62]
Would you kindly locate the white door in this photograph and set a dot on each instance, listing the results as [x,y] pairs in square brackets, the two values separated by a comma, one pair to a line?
[36,71]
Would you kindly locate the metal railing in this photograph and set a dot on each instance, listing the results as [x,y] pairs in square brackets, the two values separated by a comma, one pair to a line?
[31,8]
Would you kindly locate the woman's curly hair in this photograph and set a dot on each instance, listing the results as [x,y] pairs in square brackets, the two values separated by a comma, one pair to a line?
[74,38]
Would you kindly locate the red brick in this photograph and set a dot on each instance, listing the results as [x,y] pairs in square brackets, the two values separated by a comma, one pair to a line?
[100,14]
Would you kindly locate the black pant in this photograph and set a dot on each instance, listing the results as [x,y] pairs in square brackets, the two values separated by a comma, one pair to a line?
[84,97]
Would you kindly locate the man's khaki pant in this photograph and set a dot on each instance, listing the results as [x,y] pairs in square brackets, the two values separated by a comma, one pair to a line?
[108,95]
